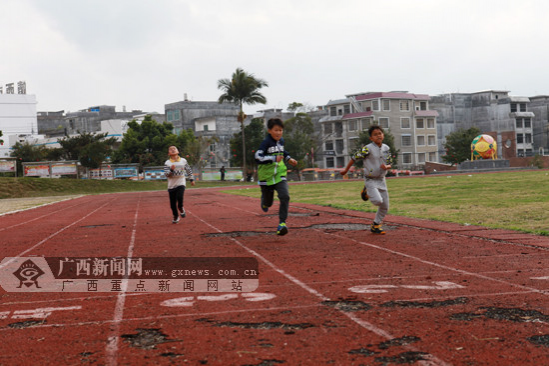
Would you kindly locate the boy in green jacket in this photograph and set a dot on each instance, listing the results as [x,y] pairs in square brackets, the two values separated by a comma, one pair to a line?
[272,172]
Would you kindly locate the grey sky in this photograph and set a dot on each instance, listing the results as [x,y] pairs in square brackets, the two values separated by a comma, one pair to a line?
[143,54]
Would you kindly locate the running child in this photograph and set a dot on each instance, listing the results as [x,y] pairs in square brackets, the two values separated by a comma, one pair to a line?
[174,169]
[271,172]
[377,160]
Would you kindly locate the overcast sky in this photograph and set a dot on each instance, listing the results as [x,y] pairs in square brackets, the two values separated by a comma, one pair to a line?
[143,54]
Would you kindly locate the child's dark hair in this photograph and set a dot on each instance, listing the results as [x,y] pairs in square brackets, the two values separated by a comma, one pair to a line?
[274,122]
[373,128]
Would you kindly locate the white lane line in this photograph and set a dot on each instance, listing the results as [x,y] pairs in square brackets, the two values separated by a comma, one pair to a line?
[364,324]
[443,266]
[111,349]
[42,205]
[160,317]
[51,236]
[37,218]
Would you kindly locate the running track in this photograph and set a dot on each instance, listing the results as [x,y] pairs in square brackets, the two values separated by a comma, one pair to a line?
[330,293]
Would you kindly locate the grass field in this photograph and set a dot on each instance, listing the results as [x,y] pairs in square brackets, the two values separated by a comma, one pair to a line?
[40,187]
[509,200]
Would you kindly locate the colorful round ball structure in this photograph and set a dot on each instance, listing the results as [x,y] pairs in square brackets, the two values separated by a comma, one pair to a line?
[483,147]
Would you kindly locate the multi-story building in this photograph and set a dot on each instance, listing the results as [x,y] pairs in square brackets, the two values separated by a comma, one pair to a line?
[85,120]
[507,118]
[209,119]
[17,119]
[406,116]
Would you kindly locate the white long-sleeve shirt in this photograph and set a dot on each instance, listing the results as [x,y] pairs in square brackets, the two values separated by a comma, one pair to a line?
[176,177]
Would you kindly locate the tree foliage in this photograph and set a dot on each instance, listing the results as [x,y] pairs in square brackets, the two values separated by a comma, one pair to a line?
[458,145]
[254,134]
[26,152]
[242,88]
[88,148]
[146,143]
[299,139]
[1,141]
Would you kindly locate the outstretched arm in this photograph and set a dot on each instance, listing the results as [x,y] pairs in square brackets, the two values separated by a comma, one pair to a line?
[349,165]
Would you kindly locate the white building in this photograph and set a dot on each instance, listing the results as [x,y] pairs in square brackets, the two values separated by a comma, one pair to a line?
[17,119]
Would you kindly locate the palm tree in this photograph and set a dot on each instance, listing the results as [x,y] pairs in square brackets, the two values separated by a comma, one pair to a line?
[242,88]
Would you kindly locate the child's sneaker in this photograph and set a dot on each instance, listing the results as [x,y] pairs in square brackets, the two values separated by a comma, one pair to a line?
[363,194]
[183,213]
[377,229]
[175,220]
[282,229]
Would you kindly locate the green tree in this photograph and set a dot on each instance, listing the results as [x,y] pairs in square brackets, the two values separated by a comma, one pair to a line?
[1,141]
[299,140]
[458,145]
[389,140]
[254,134]
[146,143]
[88,148]
[27,152]
[242,88]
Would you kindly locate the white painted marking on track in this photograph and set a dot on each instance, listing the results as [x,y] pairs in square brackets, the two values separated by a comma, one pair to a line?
[218,298]
[379,289]
[111,349]
[189,300]
[4,314]
[366,325]
[40,313]
[51,236]
[540,278]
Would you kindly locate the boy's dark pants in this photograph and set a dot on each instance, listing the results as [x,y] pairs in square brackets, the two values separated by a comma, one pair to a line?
[267,195]
[176,199]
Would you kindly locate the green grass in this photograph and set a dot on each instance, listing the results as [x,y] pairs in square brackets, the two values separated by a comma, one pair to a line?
[40,187]
[507,200]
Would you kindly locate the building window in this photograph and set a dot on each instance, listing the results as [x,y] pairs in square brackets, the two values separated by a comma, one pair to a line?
[528,138]
[421,158]
[431,140]
[407,158]
[523,107]
[432,156]
[404,105]
[422,106]
[375,105]
[406,140]
[365,123]
[527,123]
[338,129]
[519,122]
[513,107]
[328,128]
[430,123]
[339,147]
[384,122]
[405,123]
[346,109]
[340,162]
[205,127]
[419,123]
[352,125]
[333,111]
[329,146]
[421,140]
[386,104]
[520,138]
[330,162]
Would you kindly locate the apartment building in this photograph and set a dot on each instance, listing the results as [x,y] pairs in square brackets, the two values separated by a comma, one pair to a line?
[405,115]
[509,119]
